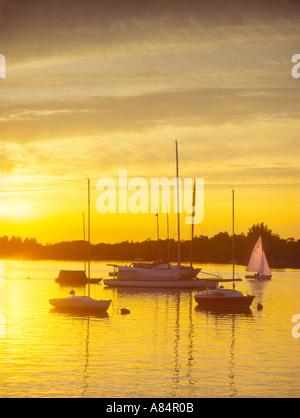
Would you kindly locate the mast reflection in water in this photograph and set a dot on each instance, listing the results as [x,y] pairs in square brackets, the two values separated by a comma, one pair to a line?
[166,346]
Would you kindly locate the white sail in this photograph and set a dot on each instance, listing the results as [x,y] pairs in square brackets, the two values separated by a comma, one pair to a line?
[264,266]
[256,256]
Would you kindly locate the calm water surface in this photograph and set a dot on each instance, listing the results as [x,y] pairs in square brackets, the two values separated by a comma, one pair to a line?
[166,346]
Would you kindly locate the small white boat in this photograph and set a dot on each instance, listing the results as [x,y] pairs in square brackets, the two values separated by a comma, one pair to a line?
[80,304]
[224,298]
[258,263]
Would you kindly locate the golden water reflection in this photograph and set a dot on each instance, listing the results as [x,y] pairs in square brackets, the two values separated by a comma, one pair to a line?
[166,346]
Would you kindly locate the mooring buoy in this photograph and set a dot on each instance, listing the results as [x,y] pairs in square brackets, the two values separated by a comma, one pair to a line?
[125,311]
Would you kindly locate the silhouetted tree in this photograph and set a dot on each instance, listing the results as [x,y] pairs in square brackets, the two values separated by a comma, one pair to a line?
[217,249]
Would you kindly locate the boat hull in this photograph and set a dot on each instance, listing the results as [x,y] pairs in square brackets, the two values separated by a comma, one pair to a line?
[227,301]
[258,276]
[74,277]
[81,304]
[157,284]
[156,272]
[77,282]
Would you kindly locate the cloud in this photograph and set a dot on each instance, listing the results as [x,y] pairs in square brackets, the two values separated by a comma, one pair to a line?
[94,86]
[98,116]
[35,29]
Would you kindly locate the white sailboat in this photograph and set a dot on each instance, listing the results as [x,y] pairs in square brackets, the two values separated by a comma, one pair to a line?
[258,263]
[82,303]
[163,269]
[158,275]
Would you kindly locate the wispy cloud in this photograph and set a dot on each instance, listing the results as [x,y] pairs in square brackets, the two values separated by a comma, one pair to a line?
[95,86]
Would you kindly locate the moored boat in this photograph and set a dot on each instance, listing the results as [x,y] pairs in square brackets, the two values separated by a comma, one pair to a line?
[163,284]
[74,277]
[80,304]
[160,274]
[258,263]
[226,297]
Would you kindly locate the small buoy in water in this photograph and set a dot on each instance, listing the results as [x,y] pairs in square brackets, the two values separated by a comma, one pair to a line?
[72,292]
[259,306]
[125,311]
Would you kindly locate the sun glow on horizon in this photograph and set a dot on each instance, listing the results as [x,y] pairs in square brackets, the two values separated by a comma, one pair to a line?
[16,211]
[62,220]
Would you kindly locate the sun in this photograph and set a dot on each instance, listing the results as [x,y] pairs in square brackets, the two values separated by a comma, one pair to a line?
[16,210]
[20,209]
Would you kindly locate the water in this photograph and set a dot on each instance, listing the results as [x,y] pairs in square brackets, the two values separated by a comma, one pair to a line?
[165,347]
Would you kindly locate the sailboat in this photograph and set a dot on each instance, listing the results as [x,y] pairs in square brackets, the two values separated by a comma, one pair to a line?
[186,272]
[225,298]
[258,263]
[82,303]
[158,275]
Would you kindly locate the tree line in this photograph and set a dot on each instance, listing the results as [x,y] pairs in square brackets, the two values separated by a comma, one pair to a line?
[280,252]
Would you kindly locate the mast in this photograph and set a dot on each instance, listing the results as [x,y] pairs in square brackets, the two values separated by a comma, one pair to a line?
[157,226]
[192,233]
[89,237]
[233,283]
[178,214]
[84,243]
[168,237]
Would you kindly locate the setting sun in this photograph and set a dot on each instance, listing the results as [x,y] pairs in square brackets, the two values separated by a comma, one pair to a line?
[16,211]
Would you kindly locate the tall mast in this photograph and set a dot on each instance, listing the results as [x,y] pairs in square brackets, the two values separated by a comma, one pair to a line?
[178,214]
[192,233]
[84,244]
[168,236]
[233,283]
[157,226]
[89,237]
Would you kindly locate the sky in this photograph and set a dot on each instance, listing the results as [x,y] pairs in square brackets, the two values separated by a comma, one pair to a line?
[95,87]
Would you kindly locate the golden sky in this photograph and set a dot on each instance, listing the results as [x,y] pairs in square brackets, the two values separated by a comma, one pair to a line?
[94,87]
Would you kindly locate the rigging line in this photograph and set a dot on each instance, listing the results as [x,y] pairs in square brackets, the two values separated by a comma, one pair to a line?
[138,229]
[203,235]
